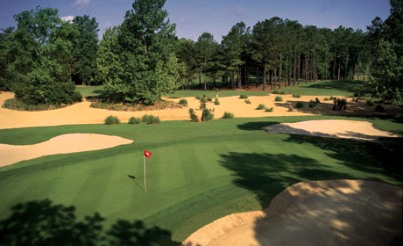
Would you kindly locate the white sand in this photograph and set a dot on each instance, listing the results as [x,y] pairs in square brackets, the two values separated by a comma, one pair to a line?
[63,144]
[333,212]
[332,128]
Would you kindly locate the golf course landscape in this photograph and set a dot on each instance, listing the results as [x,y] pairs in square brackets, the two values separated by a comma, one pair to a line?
[198,172]
[191,123]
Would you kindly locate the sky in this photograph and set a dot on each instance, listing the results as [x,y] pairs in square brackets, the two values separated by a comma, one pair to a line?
[193,17]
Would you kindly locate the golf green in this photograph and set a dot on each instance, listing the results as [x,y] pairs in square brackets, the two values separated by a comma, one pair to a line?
[198,171]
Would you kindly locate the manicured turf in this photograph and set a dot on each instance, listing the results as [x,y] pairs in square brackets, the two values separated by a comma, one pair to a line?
[87,91]
[329,88]
[212,93]
[199,171]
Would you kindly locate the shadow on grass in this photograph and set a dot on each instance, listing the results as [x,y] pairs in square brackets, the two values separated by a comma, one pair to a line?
[268,174]
[380,156]
[256,126]
[44,223]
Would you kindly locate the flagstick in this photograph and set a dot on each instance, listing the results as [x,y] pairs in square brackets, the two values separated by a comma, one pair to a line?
[145,177]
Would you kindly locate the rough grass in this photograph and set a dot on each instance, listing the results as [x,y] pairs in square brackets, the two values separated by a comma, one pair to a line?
[197,173]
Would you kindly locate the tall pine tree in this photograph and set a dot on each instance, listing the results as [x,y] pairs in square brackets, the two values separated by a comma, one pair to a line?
[146,42]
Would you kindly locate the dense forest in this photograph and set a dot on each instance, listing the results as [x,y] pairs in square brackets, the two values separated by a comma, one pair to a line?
[138,61]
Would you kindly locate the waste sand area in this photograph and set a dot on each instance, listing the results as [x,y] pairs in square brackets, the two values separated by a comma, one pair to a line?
[361,130]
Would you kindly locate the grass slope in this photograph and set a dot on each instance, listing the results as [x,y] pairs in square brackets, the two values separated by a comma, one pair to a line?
[329,88]
[198,173]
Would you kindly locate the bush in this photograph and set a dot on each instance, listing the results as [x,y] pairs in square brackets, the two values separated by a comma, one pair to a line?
[207,115]
[193,116]
[339,104]
[399,118]
[247,101]
[317,100]
[112,120]
[243,96]
[379,108]
[209,99]
[296,95]
[216,102]
[269,109]
[150,119]
[203,102]
[227,115]
[198,97]
[370,103]
[300,105]
[261,107]
[134,121]
[312,104]
[183,102]
[278,99]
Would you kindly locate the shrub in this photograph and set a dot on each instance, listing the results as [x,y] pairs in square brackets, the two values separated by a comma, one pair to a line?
[278,99]
[243,96]
[207,115]
[112,120]
[312,104]
[317,100]
[357,94]
[183,102]
[260,107]
[269,109]
[198,97]
[339,104]
[399,118]
[203,102]
[134,121]
[300,105]
[296,95]
[150,119]
[209,99]
[227,115]
[247,101]
[216,102]
[379,108]
[370,103]
[193,116]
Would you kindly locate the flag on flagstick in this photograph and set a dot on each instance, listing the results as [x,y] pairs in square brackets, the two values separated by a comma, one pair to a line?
[147,154]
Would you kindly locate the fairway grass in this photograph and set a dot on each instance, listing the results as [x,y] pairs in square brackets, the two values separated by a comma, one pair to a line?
[198,172]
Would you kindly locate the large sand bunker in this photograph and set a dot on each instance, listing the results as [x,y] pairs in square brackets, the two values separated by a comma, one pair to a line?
[63,144]
[334,212]
[332,128]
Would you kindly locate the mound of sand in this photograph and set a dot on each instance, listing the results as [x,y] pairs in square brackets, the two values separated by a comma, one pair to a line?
[63,144]
[331,128]
[334,212]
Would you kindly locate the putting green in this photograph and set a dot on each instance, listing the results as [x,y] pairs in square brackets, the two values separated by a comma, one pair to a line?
[198,172]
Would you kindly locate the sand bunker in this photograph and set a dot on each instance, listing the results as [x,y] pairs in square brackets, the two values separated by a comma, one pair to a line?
[334,212]
[63,144]
[332,128]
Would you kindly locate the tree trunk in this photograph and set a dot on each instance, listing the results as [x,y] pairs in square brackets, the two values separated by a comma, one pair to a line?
[239,78]
[257,77]
[264,77]
[280,69]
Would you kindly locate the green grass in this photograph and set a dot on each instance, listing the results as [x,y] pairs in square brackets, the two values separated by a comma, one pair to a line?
[198,172]
[329,88]
[87,91]
[212,93]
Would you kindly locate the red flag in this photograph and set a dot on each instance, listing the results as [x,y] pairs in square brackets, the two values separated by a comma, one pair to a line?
[147,154]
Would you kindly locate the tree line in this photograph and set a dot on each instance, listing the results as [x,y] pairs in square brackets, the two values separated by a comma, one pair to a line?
[142,59]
